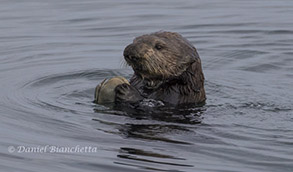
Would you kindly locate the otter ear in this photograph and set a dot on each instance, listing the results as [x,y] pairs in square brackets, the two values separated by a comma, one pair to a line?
[185,59]
[189,58]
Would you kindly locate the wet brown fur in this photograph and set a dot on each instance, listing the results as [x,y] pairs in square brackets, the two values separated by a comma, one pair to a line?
[166,67]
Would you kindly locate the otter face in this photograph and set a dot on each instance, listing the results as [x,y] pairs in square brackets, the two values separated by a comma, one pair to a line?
[160,55]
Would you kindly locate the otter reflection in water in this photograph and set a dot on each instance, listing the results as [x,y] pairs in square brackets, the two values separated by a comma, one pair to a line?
[167,69]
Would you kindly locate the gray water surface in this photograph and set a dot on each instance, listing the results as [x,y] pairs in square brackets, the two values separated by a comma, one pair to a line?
[53,54]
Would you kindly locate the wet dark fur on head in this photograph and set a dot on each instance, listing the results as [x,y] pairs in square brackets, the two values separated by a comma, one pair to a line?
[166,67]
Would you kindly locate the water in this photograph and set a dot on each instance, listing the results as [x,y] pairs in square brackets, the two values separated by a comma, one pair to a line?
[53,54]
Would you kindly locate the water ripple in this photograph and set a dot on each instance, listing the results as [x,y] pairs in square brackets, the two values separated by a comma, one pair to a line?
[54,53]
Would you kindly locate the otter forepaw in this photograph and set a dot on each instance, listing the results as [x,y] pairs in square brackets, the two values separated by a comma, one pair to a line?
[127,93]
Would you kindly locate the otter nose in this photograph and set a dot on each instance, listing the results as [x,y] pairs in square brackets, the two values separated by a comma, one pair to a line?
[130,53]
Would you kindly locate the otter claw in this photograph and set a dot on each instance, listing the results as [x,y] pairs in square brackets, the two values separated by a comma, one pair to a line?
[127,93]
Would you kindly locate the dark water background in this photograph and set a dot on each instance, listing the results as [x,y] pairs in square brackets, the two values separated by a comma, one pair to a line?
[53,53]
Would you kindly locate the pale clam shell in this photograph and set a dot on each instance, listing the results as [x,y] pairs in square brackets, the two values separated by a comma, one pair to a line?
[105,91]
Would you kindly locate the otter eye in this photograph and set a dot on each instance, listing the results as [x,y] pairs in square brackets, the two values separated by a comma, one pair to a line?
[158,46]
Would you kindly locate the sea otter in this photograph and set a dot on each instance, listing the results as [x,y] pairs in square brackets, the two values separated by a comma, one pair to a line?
[166,68]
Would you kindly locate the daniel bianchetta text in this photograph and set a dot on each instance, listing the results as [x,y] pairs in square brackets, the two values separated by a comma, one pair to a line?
[52,149]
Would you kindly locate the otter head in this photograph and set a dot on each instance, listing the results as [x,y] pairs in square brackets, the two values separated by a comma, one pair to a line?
[160,56]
